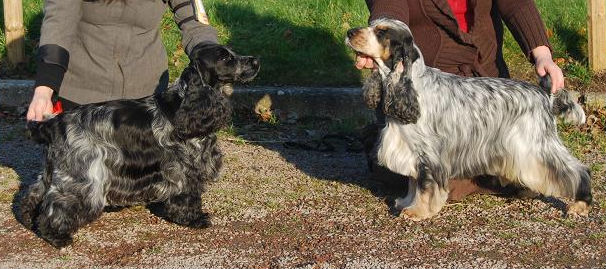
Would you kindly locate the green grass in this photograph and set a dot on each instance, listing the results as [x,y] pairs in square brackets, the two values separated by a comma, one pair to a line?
[566,23]
[301,42]
[302,45]
[579,141]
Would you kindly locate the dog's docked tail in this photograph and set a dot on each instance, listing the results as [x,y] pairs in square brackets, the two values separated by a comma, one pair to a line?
[41,131]
[562,104]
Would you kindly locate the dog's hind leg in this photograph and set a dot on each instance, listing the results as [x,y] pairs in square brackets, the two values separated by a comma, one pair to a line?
[185,209]
[583,197]
[31,196]
[63,211]
[557,173]
[27,205]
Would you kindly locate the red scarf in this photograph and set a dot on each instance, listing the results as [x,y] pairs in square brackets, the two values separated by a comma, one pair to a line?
[463,15]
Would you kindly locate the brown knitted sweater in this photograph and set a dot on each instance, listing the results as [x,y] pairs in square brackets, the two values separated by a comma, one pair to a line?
[477,53]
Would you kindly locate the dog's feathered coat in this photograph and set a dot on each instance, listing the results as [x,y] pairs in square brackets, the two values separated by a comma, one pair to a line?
[441,126]
[159,149]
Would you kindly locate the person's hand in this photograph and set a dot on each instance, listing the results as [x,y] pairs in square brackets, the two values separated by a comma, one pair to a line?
[41,104]
[364,61]
[543,64]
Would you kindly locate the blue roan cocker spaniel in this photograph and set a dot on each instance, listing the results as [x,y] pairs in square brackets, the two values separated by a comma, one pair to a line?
[160,149]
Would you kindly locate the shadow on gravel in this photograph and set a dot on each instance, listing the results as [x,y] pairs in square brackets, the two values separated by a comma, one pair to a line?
[346,168]
[337,156]
[18,153]
[332,156]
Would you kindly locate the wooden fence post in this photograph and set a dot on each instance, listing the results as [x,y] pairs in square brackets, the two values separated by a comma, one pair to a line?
[14,31]
[596,24]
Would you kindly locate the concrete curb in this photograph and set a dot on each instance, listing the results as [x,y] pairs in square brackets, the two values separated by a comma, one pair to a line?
[323,102]
[15,93]
[285,102]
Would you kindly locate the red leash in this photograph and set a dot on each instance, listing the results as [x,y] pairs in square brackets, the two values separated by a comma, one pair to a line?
[57,108]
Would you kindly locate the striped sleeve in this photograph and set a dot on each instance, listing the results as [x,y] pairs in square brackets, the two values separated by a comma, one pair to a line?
[525,23]
[193,32]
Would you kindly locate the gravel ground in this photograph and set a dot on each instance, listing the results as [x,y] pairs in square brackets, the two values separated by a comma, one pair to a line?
[278,207]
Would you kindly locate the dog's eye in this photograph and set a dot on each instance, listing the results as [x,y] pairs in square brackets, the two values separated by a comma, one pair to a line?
[225,58]
[380,32]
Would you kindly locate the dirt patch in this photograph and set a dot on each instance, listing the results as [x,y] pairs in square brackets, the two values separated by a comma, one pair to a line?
[280,207]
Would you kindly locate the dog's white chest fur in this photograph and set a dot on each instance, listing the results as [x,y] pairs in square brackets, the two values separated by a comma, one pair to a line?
[394,152]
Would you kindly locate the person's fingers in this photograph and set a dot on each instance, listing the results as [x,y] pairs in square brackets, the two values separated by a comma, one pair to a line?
[38,108]
[41,104]
[557,77]
[35,110]
[31,114]
[540,68]
[360,62]
[544,65]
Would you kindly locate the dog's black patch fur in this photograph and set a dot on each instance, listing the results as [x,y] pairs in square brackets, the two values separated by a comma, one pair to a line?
[401,101]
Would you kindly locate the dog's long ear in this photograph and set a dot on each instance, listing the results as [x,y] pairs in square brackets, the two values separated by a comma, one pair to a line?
[203,111]
[201,59]
[401,101]
[398,53]
[372,89]
[204,73]
[409,53]
[402,49]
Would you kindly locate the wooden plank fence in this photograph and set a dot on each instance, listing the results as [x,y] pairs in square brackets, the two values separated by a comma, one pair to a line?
[596,25]
[14,31]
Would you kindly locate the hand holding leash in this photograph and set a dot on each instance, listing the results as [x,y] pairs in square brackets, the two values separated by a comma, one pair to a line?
[41,104]
[544,65]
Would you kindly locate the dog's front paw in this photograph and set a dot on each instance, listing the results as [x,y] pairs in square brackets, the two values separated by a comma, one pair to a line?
[59,241]
[406,207]
[192,220]
[202,221]
[410,214]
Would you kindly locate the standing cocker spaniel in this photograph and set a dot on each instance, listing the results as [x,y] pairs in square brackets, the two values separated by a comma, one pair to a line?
[159,150]
[441,126]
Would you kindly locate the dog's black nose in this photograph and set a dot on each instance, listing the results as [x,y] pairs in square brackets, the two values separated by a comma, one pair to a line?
[351,32]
